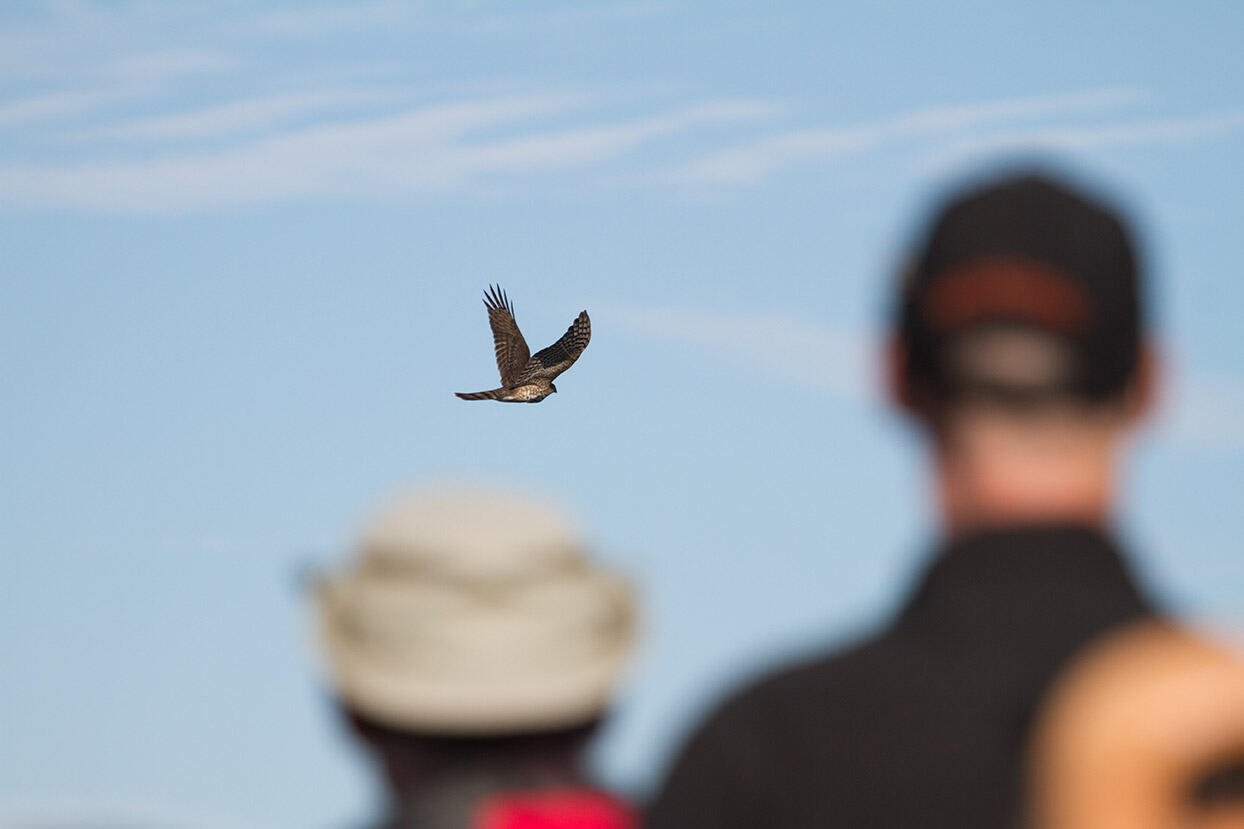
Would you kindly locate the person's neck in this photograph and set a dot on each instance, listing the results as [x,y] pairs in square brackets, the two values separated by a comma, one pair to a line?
[446,795]
[989,480]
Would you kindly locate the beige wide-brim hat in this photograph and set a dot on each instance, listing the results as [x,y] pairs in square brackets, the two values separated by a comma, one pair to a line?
[475,613]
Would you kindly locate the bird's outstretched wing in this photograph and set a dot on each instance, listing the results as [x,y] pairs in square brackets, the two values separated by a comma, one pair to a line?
[552,361]
[512,352]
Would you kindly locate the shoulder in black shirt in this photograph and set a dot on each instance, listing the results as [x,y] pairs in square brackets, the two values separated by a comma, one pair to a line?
[925,724]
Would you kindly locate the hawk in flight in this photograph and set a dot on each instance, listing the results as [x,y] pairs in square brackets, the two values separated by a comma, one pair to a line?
[526,378]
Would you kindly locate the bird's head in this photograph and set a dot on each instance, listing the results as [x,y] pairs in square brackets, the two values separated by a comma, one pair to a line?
[552,388]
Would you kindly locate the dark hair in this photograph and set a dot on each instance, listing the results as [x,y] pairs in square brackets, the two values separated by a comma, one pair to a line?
[439,749]
[1223,784]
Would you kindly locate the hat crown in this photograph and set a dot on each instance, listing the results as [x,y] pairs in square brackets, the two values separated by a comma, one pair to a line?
[475,612]
[471,536]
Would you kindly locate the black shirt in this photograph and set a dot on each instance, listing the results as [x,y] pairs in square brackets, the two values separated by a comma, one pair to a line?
[924,724]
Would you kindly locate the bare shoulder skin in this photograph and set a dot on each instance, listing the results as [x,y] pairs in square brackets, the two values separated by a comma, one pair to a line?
[1129,727]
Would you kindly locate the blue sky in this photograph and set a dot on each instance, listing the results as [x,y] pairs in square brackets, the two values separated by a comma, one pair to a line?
[244,246]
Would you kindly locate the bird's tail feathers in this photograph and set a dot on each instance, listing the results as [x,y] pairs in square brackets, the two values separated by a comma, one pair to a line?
[492,394]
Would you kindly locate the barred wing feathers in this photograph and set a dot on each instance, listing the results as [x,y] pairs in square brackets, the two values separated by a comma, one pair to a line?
[552,361]
[508,343]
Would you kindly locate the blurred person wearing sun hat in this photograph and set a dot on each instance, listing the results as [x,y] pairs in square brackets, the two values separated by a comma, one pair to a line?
[474,649]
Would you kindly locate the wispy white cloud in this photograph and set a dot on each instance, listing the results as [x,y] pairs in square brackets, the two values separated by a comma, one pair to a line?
[174,64]
[569,147]
[752,161]
[53,106]
[112,82]
[778,345]
[321,160]
[444,148]
[115,814]
[236,117]
[1206,412]
[291,140]
[578,16]
[63,40]
[1154,131]
[430,149]
[307,20]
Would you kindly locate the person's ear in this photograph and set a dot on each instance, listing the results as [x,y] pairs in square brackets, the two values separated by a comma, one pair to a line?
[897,386]
[1145,388]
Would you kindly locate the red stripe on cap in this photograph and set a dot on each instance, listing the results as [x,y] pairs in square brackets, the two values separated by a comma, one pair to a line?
[1003,286]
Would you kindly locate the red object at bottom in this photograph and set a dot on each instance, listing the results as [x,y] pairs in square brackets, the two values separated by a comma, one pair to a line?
[555,809]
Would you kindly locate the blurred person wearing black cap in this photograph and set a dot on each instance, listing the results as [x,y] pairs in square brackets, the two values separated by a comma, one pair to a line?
[474,648]
[1021,350]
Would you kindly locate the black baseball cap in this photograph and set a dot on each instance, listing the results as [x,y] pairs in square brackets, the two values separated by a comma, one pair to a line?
[1023,289]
